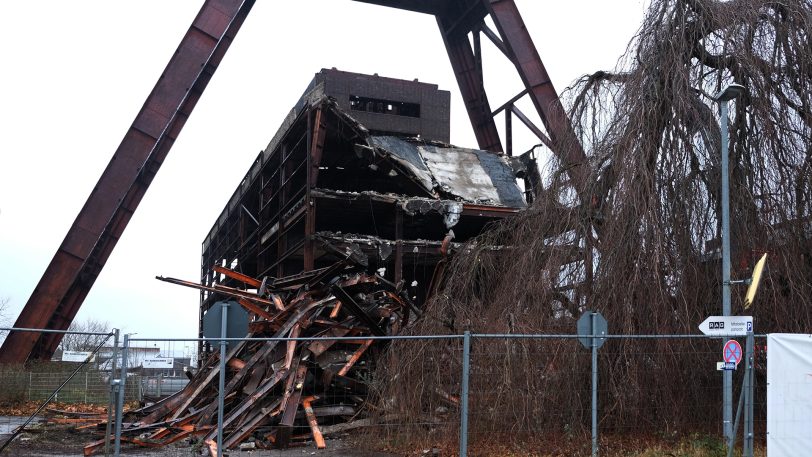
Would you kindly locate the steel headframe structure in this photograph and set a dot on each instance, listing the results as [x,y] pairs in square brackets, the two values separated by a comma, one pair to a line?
[101,222]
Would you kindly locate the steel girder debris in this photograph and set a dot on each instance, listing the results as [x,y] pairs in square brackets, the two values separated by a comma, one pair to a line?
[273,387]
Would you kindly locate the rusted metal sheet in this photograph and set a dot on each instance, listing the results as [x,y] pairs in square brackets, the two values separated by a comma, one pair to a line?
[456,173]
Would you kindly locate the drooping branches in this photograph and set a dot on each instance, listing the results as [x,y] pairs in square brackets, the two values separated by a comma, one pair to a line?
[644,251]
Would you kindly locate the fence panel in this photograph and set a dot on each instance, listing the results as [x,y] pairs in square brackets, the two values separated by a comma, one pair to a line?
[527,396]
[664,390]
[36,385]
[415,395]
[81,404]
[532,396]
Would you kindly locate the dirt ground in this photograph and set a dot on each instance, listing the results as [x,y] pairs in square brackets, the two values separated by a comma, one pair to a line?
[335,448]
[40,440]
[64,441]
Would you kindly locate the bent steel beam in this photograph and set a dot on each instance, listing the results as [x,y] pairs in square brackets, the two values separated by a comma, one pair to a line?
[93,235]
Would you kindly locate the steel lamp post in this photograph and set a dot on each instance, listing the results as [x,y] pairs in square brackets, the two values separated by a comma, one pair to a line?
[728,93]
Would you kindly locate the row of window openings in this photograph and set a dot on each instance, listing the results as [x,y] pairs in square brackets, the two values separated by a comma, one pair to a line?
[381,106]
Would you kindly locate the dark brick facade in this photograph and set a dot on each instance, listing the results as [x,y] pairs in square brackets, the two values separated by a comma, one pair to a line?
[377,100]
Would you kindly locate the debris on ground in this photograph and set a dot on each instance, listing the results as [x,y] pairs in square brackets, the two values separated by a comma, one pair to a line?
[274,389]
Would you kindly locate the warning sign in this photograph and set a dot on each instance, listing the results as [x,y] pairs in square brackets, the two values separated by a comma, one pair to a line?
[732,352]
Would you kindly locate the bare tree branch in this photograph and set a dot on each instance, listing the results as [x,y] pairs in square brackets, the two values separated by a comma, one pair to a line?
[652,133]
[79,342]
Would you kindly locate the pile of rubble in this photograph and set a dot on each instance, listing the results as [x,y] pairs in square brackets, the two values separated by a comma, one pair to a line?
[276,389]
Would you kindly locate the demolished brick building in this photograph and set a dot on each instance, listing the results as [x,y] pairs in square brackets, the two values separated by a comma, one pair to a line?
[363,164]
[339,230]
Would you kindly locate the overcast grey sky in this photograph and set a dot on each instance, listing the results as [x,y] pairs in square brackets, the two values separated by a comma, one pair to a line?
[75,73]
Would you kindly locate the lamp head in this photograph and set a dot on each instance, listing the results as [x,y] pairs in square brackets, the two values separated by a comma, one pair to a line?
[730,92]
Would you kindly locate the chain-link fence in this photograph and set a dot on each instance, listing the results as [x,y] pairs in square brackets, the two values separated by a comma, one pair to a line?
[478,395]
[661,394]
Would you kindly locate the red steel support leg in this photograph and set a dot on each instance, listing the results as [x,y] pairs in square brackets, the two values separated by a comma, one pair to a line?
[93,235]
[464,63]
[457,18]
[517,40]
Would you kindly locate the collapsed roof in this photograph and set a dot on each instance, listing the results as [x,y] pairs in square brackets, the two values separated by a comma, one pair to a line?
[326,181]
[468,175]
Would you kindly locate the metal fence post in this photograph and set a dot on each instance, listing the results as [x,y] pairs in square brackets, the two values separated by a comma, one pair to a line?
[466,370]
[222,386]
[113,392]
[734,429]
[122,392]
[594,341]
[747,442]
[30,381]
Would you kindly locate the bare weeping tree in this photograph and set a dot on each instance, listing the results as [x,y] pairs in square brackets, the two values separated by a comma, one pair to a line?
[4,319]
[641,247]
[4,310]
[84,342]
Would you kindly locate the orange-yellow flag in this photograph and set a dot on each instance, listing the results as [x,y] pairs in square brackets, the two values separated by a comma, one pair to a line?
[751,291]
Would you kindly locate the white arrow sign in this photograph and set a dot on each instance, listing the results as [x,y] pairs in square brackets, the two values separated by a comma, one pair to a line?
[727,325]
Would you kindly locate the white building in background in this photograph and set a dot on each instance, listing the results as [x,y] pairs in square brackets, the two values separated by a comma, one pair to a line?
[146,360]
[135,357]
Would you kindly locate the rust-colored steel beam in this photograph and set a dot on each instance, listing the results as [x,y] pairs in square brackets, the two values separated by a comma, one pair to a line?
[469,78]
[418,6]
[354,358]
[316,136]
[93,235]
[456,19]
[253,282]
[311,420]
[525,57]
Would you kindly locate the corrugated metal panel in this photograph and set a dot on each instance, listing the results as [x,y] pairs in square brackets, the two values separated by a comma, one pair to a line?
[470,175]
